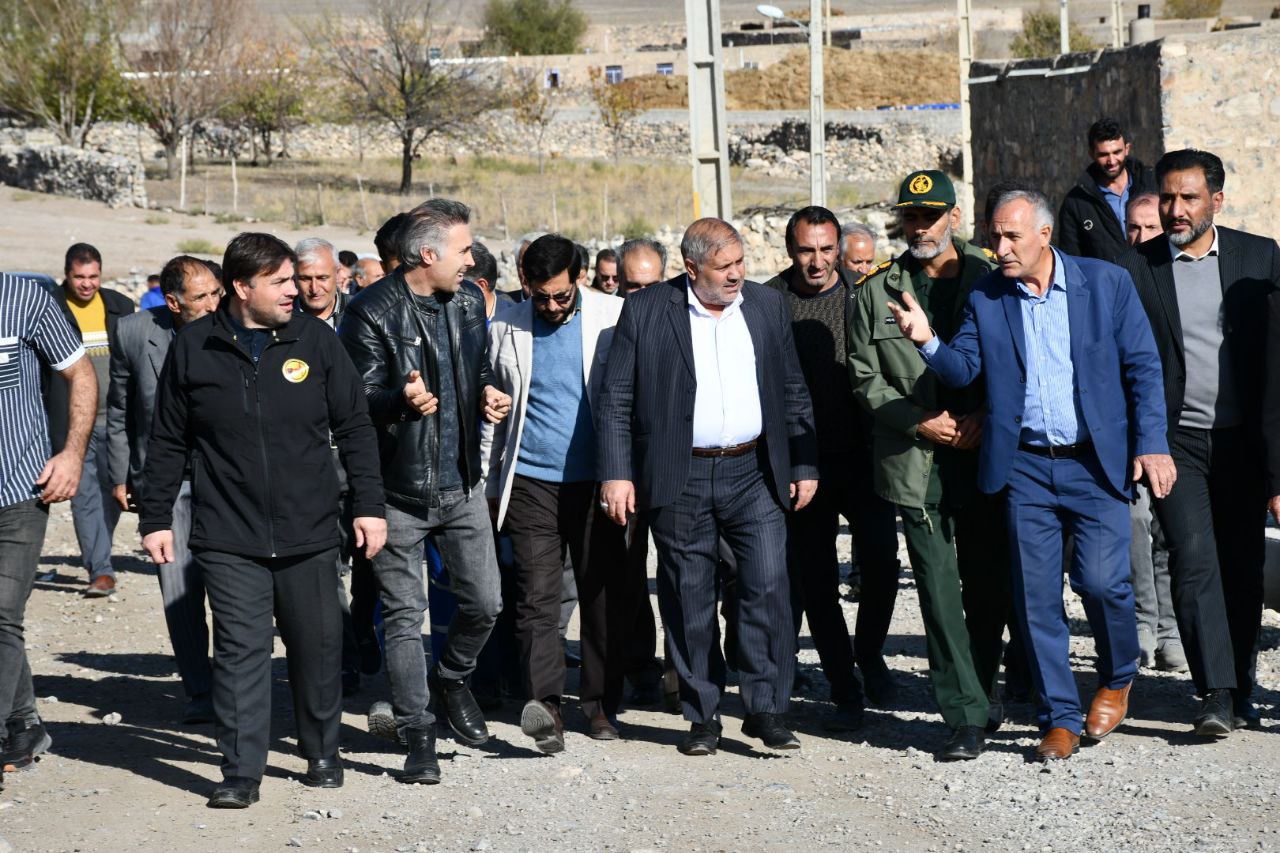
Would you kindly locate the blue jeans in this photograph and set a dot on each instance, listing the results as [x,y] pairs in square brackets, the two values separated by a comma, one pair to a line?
[22,527]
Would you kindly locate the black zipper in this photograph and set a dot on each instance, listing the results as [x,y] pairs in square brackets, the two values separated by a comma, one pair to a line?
[262,445]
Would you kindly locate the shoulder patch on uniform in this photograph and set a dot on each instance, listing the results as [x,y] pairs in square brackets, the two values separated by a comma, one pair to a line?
[880,268]
[990,254]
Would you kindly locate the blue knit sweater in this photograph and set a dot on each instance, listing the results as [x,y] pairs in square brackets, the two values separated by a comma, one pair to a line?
[558,443]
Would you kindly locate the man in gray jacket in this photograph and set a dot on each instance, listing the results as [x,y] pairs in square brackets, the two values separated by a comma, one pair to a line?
[191,289]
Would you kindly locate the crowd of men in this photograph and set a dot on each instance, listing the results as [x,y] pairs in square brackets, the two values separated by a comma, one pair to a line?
[1095,393]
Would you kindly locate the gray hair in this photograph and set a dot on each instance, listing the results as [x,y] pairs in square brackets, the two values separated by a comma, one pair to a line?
[424,229]
[1039,204]
[309,249]
[1141,200]
[524,241]
[637,243]
[855,229]
[706,237]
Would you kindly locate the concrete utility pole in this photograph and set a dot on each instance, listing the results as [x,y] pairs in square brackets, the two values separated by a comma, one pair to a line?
[1117,23]
[1064,29]
[708,130]
[817,115]
[964,11]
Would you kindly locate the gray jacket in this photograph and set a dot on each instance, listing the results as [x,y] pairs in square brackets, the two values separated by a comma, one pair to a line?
[138,350]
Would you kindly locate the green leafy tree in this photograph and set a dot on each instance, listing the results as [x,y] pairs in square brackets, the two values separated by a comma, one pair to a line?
[533,27]
[1040,36]
[60,63]
[270,97]
[1185,9]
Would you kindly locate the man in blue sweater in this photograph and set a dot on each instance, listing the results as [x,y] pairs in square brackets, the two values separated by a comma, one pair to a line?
[548,353]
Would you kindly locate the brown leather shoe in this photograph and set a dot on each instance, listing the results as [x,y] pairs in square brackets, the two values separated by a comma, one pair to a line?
[101,586]
[599,727]
[1107,711]
[1058,743]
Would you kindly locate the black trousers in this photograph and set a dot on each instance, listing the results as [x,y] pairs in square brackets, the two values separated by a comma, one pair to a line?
[730,498]
[1214,520]
[844,488]
[245,593]
[357,612]
[544,520]
[640,642]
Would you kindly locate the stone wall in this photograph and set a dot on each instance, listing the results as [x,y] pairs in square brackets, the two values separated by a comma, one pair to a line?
[116,180]
[1216,91]
[1031,126]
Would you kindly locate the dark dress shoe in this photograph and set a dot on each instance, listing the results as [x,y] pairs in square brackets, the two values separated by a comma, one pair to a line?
[323,773]
[459,707]
[234,793]
[1057,744]
[769,728]
[1107,711]
[878,683]
[421,767]
[847,716]
[199,710]
[600,727]
[702,739]
[966,744]
[25,741]
[1245,715]
[541,721]
[1215,717]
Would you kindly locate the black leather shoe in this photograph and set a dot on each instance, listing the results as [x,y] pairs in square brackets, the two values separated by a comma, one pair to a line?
[455,702]
[234,793]
[24,742]
[965,744]
[769,728]
[702,739]
[323,773]
[1245,714]
[846,717]
[198,711]
[878,683]
[421,767]
[1215,717]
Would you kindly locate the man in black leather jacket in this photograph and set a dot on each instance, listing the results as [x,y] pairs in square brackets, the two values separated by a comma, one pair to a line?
[419,341]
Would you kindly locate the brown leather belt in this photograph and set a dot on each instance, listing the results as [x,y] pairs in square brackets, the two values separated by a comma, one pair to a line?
[732,450]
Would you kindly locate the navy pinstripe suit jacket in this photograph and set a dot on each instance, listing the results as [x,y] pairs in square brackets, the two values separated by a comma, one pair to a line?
[644,419]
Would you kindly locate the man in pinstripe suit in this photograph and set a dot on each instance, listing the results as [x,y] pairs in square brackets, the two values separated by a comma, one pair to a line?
[705,425]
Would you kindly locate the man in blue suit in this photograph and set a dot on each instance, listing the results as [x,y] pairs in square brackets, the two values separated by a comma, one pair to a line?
[1075,417]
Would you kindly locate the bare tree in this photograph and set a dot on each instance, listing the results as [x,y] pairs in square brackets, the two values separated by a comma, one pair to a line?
[270,94]
[183,68]
[618,104]
[60,63]
[535,107]
[389,59]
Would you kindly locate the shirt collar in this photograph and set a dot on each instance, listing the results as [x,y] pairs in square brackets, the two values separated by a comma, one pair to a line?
[1059,278]
[700,309]
[1178,254]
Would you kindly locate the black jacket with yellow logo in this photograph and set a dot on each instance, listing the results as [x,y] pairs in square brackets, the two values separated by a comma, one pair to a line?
[263,477]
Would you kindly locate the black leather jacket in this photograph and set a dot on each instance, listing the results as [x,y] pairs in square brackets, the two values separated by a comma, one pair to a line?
[386,338]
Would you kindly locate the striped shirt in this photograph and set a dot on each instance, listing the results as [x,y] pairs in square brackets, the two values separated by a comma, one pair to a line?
[32,329]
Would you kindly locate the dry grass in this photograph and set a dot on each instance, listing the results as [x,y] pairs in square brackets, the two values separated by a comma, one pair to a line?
[508,197]
[853,80]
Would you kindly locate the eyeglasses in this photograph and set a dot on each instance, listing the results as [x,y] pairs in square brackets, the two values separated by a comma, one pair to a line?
[558,298]
[608,278]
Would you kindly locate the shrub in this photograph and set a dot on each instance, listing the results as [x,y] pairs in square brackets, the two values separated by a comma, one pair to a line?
[1041,34]
[1184,9]
[199,246]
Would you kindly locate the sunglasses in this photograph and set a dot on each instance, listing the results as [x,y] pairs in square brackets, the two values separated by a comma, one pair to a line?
[608,278]
[558,298]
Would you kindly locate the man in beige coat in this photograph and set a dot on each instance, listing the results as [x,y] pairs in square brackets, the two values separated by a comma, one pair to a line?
[548,353]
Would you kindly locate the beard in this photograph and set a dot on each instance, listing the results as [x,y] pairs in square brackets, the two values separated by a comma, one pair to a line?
[1197,231]
[927,251]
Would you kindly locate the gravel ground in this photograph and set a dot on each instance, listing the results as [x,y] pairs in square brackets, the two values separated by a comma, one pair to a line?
[140,783]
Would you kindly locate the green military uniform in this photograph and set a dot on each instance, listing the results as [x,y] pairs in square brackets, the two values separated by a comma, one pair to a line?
[953,532]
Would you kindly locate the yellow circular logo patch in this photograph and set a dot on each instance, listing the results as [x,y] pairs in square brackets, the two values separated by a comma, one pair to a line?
[920,184]
[295,370]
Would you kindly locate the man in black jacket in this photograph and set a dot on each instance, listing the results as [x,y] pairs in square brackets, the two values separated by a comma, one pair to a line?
[251,394]
[1205,289]
[704,425]
[419,340]
[1091,223]
[94,311]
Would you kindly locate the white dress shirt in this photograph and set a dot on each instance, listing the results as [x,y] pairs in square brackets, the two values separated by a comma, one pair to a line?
[726,407]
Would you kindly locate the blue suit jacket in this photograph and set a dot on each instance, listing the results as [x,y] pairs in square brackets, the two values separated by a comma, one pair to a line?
[1116,364]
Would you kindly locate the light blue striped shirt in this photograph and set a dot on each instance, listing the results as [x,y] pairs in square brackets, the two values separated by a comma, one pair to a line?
[1051,414]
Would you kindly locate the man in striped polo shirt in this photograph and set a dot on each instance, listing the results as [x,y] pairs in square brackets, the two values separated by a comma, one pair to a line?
[32,329]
